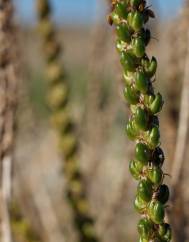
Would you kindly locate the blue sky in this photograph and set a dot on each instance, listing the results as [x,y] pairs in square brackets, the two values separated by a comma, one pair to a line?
[78,11]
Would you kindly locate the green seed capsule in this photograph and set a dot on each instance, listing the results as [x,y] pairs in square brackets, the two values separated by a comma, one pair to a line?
[130,134]
[158,157]
[155,175]
[142,153]
[121,9]
[137,21]
[157,104]
[138,47]
[145,228]
[115,18]
[150,66]
[145,190]
[130,18]
[163,194]
[139,204]
[131,95]
[135,168]
[141,82]
[131,130]
[156,212]
[123,32]
[154,137]
[141,118]
[128,61]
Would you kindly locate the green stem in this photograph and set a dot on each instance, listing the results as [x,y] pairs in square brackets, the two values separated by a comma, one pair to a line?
[129,18]
[58,101]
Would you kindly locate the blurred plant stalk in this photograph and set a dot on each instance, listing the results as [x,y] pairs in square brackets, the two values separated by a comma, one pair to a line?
[8,99]
[58,101]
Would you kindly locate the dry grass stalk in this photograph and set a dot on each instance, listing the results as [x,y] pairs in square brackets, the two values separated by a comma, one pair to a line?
[8,99]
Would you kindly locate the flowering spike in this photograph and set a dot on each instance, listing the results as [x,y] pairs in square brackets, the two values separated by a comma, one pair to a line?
[129,18]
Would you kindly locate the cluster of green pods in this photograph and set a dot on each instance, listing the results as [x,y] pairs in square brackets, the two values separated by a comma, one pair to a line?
[129,18]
